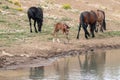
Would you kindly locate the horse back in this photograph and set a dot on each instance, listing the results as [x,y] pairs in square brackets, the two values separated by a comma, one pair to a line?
[93,17]
[35,13]
[100,15]
[61,26]
[84,17]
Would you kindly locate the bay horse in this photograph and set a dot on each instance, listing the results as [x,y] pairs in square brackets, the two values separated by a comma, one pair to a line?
[36,14]
[87,18]
[100,20]
[60,27]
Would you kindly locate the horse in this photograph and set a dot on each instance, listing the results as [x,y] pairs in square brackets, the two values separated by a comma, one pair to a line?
[87,18]
[36,14]
[100,20]
[61,27]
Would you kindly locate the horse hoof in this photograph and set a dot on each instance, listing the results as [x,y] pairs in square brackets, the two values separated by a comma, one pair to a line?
[31,31]
[93,36]
[36,31]
[77,38]
[86,37]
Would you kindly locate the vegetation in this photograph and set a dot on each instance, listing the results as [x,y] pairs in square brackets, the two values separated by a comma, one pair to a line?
[15,28]
[66,6]
[5,7]
[108,34]
[113,33]
[19,9]
[18,4]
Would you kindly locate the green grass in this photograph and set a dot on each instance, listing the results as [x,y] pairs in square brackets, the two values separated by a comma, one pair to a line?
[113,33]
[2,21]
[109,34]
[66,19]
[9,38]
[5,7]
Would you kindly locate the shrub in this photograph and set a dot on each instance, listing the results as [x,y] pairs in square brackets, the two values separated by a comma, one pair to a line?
[19,9]
[5,7]
[66,6]
[17,3]
[10,1]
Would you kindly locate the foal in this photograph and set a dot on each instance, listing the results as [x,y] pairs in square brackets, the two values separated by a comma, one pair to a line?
[63,27]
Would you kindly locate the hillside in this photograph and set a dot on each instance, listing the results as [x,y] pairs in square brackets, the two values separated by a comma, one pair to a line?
[16,39]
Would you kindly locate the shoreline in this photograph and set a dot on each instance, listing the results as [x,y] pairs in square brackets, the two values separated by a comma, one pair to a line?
[24,61]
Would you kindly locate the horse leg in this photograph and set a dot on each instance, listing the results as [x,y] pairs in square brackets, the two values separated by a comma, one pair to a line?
[58,40]
[96,27]
[30,25]
[92,27]
[67,37]
[86,31]
[35,26]
[101,26]
[79,31]
[104,24]
[54,35]
[39,29]
[39,22]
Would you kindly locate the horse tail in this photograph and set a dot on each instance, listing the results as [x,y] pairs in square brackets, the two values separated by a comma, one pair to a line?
[79,28]
[83,24]
[104,23]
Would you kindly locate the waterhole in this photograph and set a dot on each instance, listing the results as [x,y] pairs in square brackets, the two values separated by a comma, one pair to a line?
[102,65]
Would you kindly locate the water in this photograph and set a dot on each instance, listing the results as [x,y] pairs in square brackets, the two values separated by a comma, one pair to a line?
[94,66]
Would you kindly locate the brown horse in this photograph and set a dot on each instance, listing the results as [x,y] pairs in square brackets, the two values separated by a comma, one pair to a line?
[100,20]
[87,18]
[63,27]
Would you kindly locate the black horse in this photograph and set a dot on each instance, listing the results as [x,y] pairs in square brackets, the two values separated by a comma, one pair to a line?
[87,18]
[35,13]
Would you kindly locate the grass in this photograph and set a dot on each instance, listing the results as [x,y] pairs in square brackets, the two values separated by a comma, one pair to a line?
[9,38]
[109,34]
[2,21]
[66,19]
[13,30]
[5,7]
[113,33]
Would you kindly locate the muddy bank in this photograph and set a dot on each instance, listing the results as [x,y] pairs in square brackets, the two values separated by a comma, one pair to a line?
[45,57]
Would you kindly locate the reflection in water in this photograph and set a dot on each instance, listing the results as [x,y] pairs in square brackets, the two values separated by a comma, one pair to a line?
[37,73]
[62,69]
[79,67]
[93,66]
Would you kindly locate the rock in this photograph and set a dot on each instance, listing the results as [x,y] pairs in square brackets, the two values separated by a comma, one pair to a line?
[6,54]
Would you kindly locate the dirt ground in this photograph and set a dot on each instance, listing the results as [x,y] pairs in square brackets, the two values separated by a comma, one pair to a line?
[30,54]
[34,51]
